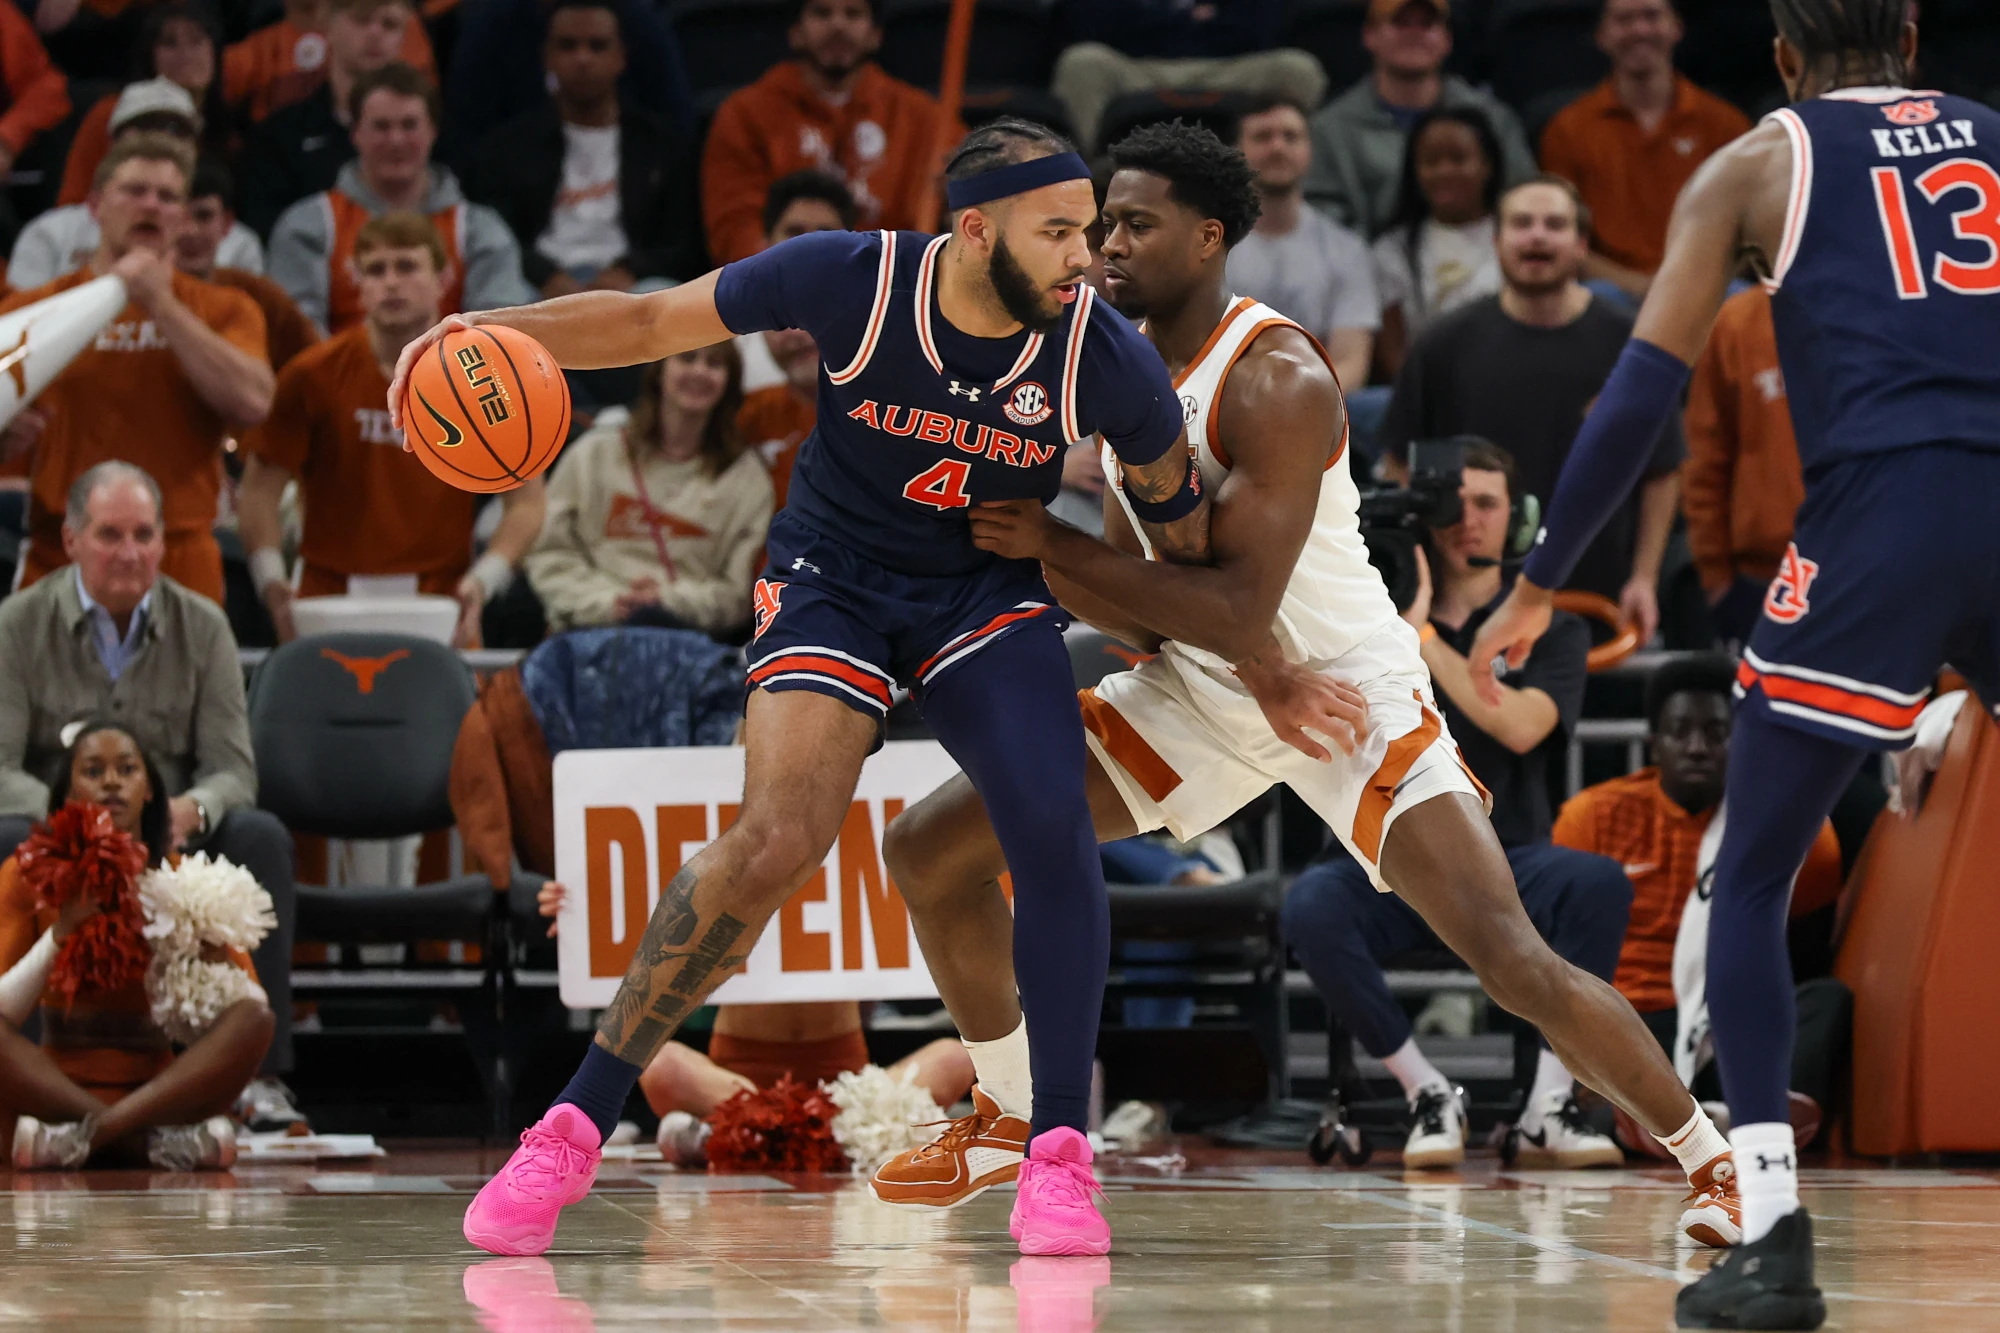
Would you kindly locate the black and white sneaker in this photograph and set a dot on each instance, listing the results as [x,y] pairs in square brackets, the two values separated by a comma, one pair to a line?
[1555,1132]
[1765,1284]
[1437,1134]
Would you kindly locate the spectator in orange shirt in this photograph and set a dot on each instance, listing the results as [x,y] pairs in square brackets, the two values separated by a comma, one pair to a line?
[395,128]
[1652,823]
[287,331]
[37,92]
[287,61]
[371,508]
[1741,484]
[63,239]
[299,151]
[776,418]
[179,369]
[834,109]
[178,41]
[1631,143]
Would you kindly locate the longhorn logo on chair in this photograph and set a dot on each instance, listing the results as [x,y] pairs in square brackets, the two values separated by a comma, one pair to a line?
[364,669]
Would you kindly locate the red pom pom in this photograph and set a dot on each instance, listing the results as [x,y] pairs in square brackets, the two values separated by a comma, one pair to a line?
[78,853]
[786,1127]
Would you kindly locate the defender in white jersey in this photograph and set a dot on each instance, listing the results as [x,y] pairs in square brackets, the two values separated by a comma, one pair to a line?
[1287,631]
[1185,712]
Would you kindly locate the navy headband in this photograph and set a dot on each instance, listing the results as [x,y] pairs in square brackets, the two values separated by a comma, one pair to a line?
[1015,178]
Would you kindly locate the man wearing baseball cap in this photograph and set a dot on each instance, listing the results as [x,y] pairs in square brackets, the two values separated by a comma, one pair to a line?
[63,239]
[1359,137]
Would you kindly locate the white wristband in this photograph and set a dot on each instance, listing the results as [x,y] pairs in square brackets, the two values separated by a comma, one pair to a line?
[267,566]
[494,572]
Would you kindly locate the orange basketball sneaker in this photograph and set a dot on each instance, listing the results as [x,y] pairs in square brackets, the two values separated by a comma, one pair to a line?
[975,1153]
[1713,1213]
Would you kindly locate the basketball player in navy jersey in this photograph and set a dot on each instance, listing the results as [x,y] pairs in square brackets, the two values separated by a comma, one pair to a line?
[1180,741]
[957,370]
[1872,213]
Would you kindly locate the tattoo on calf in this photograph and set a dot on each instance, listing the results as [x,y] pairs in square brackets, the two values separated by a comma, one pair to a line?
[649,1006]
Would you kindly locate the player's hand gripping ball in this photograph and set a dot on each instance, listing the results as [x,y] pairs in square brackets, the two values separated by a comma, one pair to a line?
[487,408]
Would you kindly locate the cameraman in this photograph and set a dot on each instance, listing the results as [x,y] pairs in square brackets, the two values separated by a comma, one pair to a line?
[1344,932]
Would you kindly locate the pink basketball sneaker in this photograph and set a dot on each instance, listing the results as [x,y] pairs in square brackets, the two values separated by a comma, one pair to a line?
[554,1166]
[1054,1212]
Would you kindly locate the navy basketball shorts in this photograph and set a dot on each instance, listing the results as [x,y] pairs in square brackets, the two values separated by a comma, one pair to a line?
[1893,573]
[836,623]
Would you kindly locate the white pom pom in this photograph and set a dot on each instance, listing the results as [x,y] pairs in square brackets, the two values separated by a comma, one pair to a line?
[202,902]
[188,995]
[188,907]
[881,1116]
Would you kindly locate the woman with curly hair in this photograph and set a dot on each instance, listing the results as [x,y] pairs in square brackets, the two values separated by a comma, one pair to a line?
[105,1083]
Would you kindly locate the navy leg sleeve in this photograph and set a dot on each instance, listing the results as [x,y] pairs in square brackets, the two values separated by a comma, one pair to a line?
[1782,783]
[1009,716]
[1343,931]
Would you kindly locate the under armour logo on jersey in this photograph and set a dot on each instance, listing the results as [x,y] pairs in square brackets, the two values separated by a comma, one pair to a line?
[765,603]
[1788,600]
[970,394]
[803,563]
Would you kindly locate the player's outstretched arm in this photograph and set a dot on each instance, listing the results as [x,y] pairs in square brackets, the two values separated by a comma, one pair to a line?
[1707,242]
[592,330]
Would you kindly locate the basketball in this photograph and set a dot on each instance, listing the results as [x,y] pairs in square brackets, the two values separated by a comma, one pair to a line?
[487,408]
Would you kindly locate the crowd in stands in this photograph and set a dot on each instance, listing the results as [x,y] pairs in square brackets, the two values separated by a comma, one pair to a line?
[292,193]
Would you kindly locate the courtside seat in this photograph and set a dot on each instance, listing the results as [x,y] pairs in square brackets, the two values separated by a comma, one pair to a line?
[1918,954]
[353,736]
[1231,956]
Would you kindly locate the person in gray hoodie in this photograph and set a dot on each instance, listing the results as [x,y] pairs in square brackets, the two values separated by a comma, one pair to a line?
[1358,138]
[395,120]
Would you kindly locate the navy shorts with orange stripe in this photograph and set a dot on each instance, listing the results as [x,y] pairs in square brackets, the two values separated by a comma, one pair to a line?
[833,622]
[1893,573]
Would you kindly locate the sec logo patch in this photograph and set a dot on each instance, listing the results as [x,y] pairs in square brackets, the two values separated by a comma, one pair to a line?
[1028,405]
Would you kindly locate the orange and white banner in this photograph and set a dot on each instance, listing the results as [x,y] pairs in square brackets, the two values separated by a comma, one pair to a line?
[628,820]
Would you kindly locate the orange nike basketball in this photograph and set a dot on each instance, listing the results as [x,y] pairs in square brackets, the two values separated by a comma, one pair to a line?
[487,408]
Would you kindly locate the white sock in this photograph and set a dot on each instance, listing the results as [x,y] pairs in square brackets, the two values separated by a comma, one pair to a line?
[1413,1071]
[1695,1144]
[1550,1076]
[1767,1175]
[1001,1065]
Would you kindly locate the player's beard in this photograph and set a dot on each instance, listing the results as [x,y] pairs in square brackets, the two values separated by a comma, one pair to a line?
[1023,301]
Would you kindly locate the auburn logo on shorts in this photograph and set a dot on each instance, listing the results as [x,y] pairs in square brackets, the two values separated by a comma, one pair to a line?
[1789,599]
[765,603]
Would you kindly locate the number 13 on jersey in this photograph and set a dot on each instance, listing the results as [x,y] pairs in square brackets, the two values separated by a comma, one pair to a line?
[1978,222]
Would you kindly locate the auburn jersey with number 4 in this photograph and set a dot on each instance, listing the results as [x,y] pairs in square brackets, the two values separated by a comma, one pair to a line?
[918,421]
[1886,291]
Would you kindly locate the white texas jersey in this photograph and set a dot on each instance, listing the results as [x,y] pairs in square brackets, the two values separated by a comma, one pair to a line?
[1335,599]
